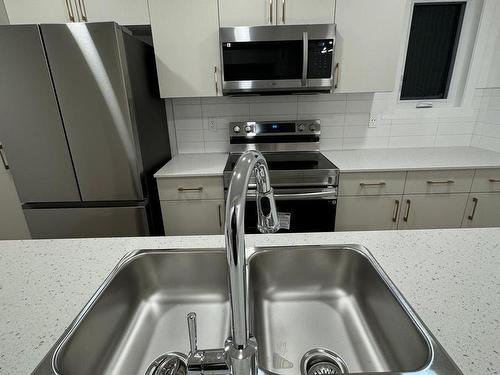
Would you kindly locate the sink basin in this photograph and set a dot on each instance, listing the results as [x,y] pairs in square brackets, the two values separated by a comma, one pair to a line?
[140,313]
[300,298]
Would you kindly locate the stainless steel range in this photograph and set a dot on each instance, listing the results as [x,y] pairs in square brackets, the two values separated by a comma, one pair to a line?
[305,182]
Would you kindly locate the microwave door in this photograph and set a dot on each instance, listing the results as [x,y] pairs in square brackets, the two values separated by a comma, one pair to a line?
[262,65]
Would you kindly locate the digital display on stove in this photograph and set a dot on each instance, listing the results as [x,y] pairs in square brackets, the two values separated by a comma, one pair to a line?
[278,127]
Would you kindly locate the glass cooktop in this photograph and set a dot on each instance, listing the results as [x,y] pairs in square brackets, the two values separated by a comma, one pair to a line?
[288,161]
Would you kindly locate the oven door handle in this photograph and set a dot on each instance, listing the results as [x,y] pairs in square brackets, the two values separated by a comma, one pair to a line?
[300,196]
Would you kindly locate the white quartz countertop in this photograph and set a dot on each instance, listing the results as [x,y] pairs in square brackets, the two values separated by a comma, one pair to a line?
[402,159]
[450,277]
[194,165]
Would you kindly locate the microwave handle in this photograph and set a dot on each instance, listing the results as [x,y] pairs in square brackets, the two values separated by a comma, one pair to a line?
[305,56]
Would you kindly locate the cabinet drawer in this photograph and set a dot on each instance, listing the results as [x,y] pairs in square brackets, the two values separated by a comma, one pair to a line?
[486,180]
[192,217]
[177,189]
[448,181]
[371,183]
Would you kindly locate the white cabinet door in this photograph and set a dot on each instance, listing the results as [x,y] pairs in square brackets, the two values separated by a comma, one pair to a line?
[369,36]
[247,12]
[124,12]
[38,11]
[186,42]
[428,211]
[298,12]
[483,210]
[192,217]
[12,222]
[367,212]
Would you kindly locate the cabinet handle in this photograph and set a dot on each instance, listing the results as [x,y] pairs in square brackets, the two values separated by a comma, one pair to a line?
[396,209]
[69,7]
[3,157]
[407,213]
[220,217]
[368,184]
[283,12]
[216,79]
[494,179]
[183,189]
[471,216]
[83,11]
[440,182]
[336,74]
[271,12]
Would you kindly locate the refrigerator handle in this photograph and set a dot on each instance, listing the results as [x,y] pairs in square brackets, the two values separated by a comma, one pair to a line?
[3,157]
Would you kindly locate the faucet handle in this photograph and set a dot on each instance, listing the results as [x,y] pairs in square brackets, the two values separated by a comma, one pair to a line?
[193,337]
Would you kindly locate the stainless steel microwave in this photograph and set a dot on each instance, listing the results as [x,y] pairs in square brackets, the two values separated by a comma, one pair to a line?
[286,58]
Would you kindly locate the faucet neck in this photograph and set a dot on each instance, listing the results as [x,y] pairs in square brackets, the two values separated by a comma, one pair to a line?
[251,162]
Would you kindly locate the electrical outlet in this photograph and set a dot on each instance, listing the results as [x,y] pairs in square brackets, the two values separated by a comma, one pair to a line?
[212,124]
[372,122]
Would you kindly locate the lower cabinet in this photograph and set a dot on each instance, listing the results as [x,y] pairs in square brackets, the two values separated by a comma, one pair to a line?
[369,212]
[483,210]
[426,211]
[193,217]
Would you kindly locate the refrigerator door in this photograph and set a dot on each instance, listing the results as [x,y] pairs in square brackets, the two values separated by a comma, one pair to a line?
[83,222]
[31,129]
[88,75]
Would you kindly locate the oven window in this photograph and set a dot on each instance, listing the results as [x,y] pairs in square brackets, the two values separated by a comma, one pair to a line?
[262,60]
[306,216]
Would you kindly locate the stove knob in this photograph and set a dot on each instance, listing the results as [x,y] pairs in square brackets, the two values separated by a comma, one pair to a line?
[312,127]
[248,128]
[301,127]
[236,129]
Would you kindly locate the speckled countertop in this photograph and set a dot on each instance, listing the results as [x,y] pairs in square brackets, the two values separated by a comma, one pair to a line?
[392,159]
[404,159]
[194,165]
[450,277]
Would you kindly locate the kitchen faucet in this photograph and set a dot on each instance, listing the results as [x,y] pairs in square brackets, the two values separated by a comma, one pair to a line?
[239,355]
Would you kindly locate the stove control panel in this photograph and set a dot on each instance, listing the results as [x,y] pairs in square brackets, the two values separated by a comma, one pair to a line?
[275,128]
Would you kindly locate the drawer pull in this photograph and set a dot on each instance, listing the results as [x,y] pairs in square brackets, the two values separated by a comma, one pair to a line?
[396,209]
[440,182]
[183,189]
[471,216]
[368,184]
[407,213]
[494,179]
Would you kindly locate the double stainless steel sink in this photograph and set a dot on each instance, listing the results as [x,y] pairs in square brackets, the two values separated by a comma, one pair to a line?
[335,298]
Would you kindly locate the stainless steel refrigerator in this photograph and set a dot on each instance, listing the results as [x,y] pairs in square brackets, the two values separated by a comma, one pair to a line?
[83,128]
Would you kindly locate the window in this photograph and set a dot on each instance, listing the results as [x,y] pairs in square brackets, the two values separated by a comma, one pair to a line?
[432,47]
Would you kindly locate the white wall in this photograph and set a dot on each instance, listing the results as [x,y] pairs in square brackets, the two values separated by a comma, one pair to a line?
[344,119]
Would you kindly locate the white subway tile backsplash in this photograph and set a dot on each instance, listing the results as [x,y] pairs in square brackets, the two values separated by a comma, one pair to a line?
[344,120]
[317,108]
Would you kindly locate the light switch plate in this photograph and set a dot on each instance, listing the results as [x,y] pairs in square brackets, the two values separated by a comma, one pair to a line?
[372,122]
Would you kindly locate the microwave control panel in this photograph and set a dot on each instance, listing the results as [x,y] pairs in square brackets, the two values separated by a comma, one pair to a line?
[320,58]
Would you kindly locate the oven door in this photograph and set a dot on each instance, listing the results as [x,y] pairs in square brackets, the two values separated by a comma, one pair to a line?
[300,210]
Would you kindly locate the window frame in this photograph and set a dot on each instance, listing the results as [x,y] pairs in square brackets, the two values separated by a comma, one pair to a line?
[460,64]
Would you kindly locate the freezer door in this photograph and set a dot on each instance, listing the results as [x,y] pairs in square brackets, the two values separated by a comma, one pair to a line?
[86,66]
[86,222]
[30,127]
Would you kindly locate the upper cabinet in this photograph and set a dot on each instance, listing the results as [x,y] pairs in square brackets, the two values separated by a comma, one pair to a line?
[36,11]
[186,41]
[247,12]
[124,12]
[369,36]
[298,12]
[275,12]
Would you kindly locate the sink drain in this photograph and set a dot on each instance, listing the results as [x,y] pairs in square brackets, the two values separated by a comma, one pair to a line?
[168,364]
[320,361]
